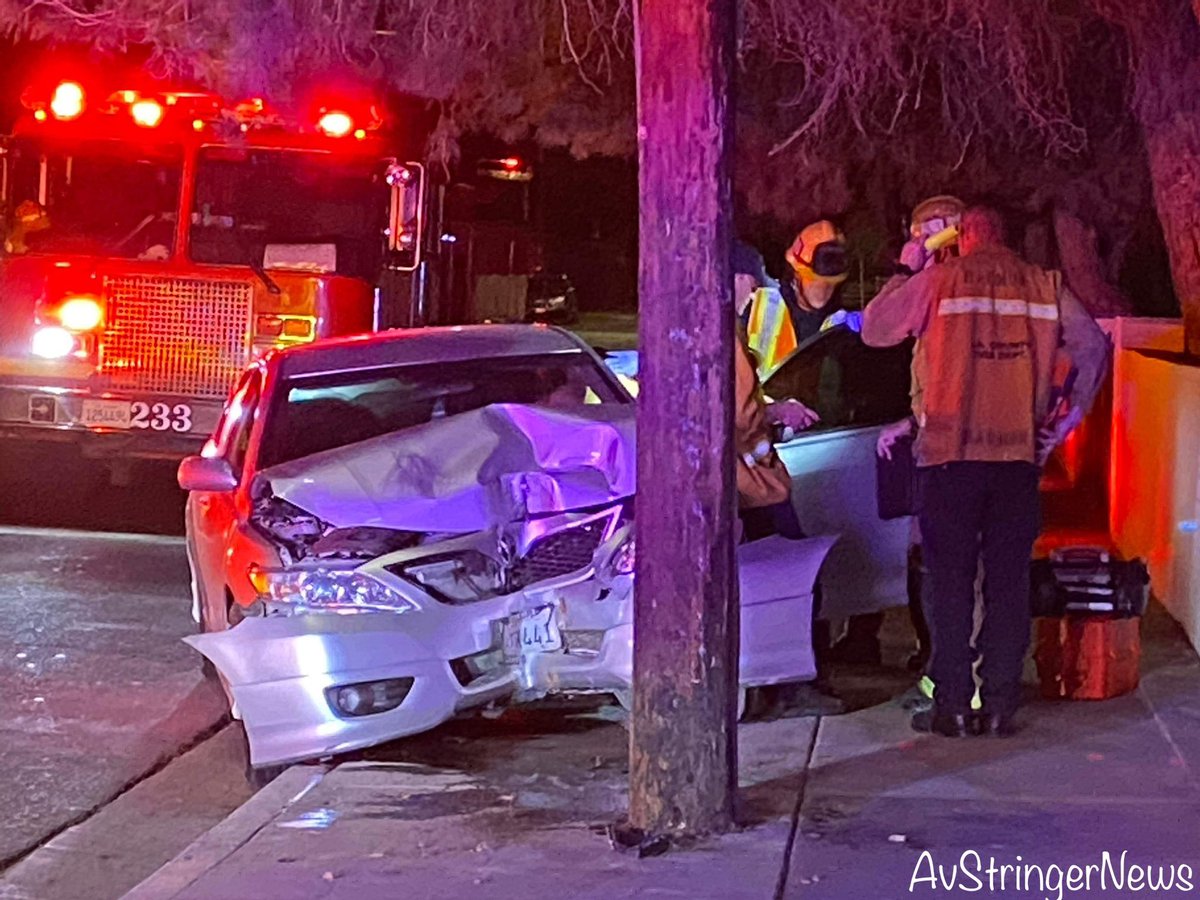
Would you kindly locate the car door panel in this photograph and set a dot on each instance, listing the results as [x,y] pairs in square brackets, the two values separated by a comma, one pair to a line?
[833,490]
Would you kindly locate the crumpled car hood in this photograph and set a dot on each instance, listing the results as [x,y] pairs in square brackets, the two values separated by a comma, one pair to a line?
[469,472]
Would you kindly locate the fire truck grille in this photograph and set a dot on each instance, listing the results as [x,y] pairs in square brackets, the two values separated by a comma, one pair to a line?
[184,336]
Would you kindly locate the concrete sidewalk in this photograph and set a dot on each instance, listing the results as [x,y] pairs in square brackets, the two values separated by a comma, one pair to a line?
[879,806]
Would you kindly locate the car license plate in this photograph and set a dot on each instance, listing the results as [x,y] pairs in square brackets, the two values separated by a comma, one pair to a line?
[148,415]
[533,631]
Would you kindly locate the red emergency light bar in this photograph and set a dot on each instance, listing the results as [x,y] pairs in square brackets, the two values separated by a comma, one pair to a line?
[69,102]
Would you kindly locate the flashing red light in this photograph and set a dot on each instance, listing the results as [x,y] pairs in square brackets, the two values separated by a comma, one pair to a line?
[197,124]
[360,134]
[68,101]
[81,313]
[147,113]
[335,124]
[40,115]
[511,163]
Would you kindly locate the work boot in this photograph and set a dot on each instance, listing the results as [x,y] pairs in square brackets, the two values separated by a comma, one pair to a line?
[934,721]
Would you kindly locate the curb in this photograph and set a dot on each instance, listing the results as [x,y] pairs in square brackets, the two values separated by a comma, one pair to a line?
[226,837]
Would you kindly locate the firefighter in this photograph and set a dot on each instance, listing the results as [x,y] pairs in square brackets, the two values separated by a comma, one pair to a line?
[782,317]
[765,490]
[990,331]
[819,266]
[764,485]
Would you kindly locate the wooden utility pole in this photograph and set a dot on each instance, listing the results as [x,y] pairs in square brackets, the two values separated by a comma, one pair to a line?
[683,742]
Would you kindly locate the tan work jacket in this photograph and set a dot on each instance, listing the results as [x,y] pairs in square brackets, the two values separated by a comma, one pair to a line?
[762,479]
[992,331]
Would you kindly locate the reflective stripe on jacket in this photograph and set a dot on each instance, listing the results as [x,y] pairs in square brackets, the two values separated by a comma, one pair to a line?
[989,331]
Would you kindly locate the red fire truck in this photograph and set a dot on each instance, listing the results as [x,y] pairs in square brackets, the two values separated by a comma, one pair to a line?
[154,242]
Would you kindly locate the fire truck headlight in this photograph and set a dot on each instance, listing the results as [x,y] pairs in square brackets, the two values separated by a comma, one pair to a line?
[80,314]
[53,343]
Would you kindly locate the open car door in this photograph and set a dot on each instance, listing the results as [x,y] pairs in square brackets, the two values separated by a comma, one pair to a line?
[856,390]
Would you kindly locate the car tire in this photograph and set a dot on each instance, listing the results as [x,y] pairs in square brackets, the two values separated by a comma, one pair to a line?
[258,777]
[206,627]
[754,703]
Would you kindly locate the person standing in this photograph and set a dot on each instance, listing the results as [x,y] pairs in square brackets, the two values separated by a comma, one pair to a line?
[991,332]
[780,317]
[764,486]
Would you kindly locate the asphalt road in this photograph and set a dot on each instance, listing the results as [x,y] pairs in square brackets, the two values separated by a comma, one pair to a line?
[96,689]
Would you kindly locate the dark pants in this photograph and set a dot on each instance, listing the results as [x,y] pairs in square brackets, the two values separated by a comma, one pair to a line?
[968,509]
[780,518]
[765,521]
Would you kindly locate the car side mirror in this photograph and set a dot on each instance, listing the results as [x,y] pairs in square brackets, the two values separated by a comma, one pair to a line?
[206,473]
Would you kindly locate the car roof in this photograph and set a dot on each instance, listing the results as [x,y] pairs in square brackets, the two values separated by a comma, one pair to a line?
[414,346]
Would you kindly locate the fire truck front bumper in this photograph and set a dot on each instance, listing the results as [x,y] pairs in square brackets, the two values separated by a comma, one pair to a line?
[103,424]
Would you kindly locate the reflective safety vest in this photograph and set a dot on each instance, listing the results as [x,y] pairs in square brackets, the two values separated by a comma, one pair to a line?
[769,332]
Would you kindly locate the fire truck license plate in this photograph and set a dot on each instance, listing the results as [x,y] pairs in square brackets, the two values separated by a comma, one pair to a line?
[149,415]
[107,414]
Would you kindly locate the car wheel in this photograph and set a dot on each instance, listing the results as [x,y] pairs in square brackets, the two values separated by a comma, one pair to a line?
[258,777]
[754,702]
[206,627]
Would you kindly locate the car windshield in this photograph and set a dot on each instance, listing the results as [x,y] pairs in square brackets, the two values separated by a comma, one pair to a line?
[322,412]
[100,198]
[848,384]
[310,209]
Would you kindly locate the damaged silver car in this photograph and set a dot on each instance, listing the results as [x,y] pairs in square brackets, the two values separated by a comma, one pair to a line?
[391,531]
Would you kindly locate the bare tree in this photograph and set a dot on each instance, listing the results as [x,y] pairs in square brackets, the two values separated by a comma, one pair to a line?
[1165,39]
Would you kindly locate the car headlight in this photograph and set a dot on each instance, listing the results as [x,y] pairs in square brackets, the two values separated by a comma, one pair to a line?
[340,591]
[458,577]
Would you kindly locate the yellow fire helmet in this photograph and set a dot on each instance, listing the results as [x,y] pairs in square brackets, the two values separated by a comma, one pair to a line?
[937,220]
[819,253]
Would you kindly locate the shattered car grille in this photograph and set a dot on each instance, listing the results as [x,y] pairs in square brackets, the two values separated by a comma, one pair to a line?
[560,553]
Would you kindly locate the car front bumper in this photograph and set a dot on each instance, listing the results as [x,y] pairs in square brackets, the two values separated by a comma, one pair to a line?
[280,668]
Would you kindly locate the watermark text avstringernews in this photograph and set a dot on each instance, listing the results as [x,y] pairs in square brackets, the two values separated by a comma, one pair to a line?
[973,873]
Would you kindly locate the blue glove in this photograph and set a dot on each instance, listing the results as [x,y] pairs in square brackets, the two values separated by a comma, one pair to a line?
[851,320]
